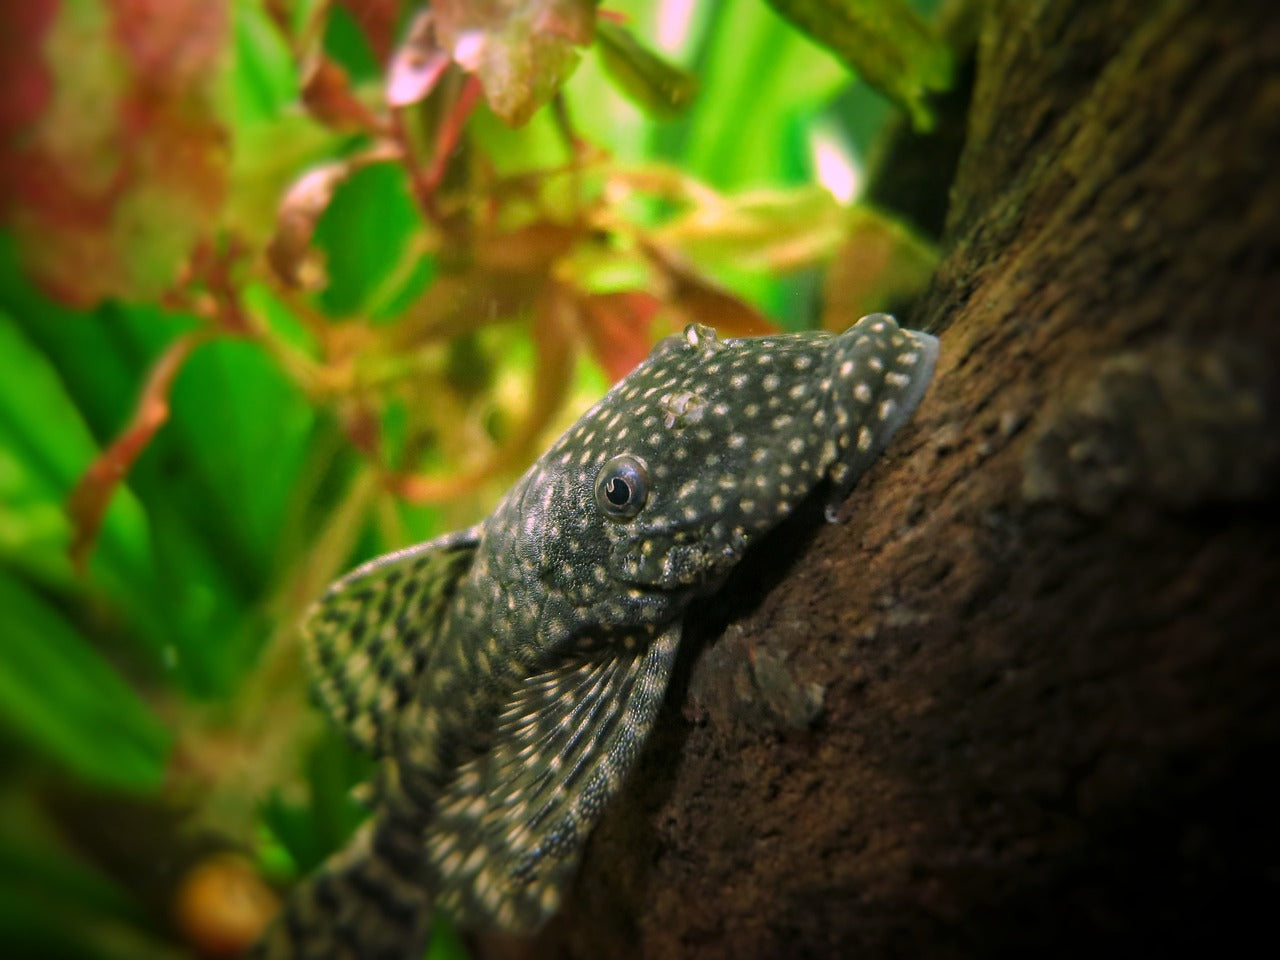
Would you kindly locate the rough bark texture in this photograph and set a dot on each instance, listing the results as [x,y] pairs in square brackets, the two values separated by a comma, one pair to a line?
[1047,638]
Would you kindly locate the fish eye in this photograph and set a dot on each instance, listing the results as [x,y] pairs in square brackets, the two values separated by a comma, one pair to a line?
[622,487]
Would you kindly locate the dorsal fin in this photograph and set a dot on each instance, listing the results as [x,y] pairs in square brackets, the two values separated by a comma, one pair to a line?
[369,636]
[511,826]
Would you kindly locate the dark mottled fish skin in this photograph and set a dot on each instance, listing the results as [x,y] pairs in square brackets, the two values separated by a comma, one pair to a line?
[508,675]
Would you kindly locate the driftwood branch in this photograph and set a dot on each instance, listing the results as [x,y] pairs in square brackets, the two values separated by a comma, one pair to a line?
[1044,649]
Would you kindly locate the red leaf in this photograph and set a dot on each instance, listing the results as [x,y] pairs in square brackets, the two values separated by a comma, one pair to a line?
[88,502]
[327,95]
[26,84]
[120,168]
[701,301]
[450,132]
[618,327]
[170,43]
[361,425]
[531,249]
[879,263]
[698,299]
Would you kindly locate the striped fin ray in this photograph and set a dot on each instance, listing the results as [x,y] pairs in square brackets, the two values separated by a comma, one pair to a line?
[510,828]
[368,638]
[365,903]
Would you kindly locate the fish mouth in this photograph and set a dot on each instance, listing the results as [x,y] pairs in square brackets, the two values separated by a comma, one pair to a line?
[700,554]
[879,373]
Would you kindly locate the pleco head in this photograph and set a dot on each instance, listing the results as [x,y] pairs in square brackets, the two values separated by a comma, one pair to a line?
[710,442]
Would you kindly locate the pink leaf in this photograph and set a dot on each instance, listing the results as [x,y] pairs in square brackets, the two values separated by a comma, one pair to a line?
[521,51]
[417,64]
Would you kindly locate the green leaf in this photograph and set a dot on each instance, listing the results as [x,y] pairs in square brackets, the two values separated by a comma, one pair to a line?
[183,571]
[46,445]
[190,573]
[260,80]
[66,701]
[517,150]
[363,233]
[349,46]
[238,437]
[53,906]
[446,944]
[245,426]
[660,88]
[762,84]
[889,46]
[309,834]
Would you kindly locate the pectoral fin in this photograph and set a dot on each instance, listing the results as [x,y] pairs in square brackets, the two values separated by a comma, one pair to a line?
[369,636]
[511,827]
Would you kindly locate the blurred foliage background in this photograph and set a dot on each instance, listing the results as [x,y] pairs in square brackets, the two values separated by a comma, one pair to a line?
[284,285]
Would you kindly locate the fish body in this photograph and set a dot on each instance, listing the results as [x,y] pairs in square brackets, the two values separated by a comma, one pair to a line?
[508,675]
